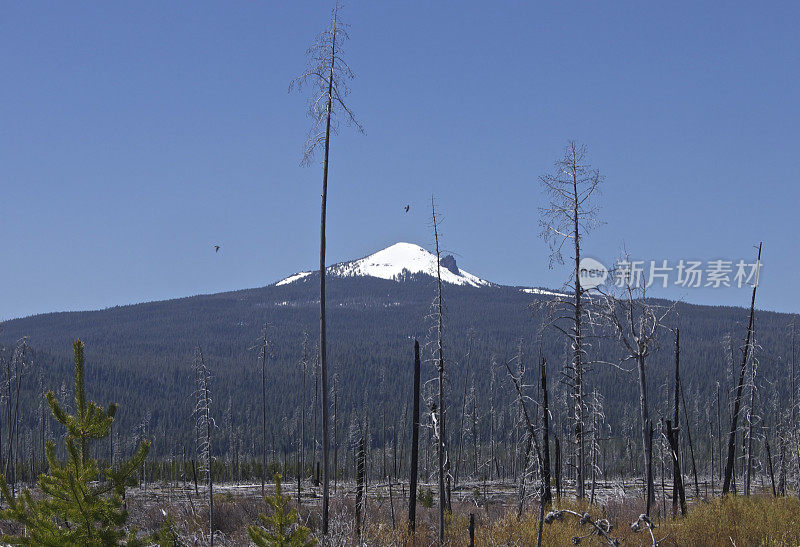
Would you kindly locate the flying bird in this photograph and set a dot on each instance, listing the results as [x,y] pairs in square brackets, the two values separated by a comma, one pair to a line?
[216,248]
[408,207]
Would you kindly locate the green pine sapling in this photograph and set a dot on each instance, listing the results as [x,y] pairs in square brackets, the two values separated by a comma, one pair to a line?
[76,509]
[279,532]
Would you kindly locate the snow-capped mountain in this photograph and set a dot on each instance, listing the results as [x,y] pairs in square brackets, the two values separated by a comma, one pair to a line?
[397,262]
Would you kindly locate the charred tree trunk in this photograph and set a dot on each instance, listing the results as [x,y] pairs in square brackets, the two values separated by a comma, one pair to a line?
[360,465]
[691,446]
[738,400]
[771,470]
[749,447]
[678,492]
[578,338]
[547,495]
[335,434]
[558,470]
[263,412]
[647,436]
[412,485]
[441,441]
[461,431]
[523,474]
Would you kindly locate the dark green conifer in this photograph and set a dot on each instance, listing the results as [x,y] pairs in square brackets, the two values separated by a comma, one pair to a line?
[281,525]
[76,509]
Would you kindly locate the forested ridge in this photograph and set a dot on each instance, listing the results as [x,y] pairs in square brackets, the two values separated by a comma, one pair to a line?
[141,356]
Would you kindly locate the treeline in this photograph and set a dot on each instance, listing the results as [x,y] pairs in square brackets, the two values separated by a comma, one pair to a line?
[142,357]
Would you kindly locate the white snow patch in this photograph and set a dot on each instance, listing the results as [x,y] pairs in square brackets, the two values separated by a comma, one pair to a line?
[543,292]
[403,259]
[292,278]
[396,262]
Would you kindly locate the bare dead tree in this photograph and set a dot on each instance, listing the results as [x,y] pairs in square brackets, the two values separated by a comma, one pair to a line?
[711,450]
[597,417]
[5,366]
[204,423]
[336,431]
[442,431]
[570,215]
[492,458]
[360,471]
[412,485]
[794,434]
[751,419]
[771,469]
[326,76]
[315,429]
[691,444]
[463,407]
[304,368]
[476,448]
[782,464]
[634,322]
[547,495]
[792,373]
[673,433]
[738,400]
[531,438]
[263,355]
[43,420]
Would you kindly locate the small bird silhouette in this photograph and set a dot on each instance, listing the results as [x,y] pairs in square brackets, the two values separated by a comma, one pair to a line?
[216,248]
[408,207]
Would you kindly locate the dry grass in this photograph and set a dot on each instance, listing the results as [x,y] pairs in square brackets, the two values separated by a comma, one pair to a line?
[755,520]
[740,521]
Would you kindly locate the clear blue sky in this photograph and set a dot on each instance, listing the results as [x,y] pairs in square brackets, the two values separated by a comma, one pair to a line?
[134,136]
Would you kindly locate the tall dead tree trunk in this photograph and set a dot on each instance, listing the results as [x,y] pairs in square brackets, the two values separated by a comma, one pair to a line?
[580,459]
[595,446]
[315,441]
[558,470]
[749,457]
[492,459]
[204,422]
[737,403]
[673,432]
[547,495]
[793,426]
[263,356]
[360,471]
[412,484]
[301,471]
[678,492]
[719,434]
[691,445]
[771,470]
[327,74]
[570,215]
[336,432]
[647,434]
[463,412]
[323,340]
[440,369]
[531,439]
[635,321]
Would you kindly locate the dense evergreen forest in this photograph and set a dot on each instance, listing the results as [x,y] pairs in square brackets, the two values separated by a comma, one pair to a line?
[141,357]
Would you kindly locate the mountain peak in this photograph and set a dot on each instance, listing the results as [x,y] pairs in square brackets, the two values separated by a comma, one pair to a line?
[397,262]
